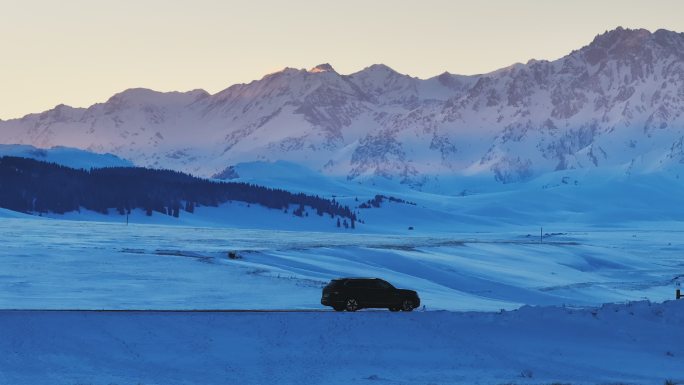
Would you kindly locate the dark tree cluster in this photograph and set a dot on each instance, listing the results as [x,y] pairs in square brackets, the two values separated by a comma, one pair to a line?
[31,186]
[377,201]
[346,224]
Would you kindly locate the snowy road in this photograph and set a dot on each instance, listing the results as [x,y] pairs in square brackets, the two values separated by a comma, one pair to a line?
[639,343]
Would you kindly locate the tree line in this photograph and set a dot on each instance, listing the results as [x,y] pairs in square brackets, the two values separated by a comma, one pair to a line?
[378,199]
[32,186]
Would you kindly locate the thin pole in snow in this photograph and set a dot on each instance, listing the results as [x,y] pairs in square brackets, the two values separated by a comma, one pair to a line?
[541,237]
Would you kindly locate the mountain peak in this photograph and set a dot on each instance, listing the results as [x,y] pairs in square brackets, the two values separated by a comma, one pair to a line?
[148,96]
[380,68]
[620,43]
[621,37]
[284,71]
[325,67]
[670,39]
[135,94]
[379,71]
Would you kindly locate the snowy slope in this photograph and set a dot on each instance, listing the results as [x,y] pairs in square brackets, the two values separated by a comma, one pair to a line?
[233,214]
[4,213]
[637,343]
[70,157]
[559,201]
[615,103]
[566,199]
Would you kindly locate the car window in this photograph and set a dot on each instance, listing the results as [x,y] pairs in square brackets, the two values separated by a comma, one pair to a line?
[355,283]
[382,284]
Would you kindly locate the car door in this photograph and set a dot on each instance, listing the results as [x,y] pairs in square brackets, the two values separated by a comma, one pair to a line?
[356,288]
[380,293]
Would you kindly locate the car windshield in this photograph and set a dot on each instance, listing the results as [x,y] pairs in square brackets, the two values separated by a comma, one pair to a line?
[384,284]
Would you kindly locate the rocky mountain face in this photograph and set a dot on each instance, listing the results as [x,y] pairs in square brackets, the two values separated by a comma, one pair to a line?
[617,102]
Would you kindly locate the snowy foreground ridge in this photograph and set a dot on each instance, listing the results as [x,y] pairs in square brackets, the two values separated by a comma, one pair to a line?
[636,343]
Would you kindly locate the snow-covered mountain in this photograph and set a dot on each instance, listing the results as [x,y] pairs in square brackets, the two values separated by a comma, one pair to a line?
[65,156]
[617,102]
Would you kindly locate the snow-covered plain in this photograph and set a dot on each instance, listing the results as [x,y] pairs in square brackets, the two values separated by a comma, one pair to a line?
[52,264]
[49,263]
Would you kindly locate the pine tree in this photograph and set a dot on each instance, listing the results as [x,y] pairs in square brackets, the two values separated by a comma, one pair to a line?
[299,211]
[190,207]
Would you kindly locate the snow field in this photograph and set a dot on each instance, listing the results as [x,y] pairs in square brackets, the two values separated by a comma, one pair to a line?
[56,264]
[637,343]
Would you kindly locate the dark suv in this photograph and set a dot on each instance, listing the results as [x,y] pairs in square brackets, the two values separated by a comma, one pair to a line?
[352,294]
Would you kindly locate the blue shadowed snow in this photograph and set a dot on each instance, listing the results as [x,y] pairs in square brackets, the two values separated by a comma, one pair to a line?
[65,156]
[637,343]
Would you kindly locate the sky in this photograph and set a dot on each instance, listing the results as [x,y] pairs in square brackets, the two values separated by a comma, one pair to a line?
[80,52]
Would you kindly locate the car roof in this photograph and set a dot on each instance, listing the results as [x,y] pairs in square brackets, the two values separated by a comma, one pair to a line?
[354,278]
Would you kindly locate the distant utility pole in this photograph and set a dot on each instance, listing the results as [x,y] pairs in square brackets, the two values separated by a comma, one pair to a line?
[541,237]
[126,218]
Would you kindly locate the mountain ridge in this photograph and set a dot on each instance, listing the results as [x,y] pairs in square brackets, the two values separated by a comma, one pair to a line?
[615,101]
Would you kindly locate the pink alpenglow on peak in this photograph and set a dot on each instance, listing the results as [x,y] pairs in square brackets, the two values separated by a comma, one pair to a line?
[325,67]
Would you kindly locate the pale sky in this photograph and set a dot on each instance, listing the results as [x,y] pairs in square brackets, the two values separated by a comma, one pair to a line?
[80,52]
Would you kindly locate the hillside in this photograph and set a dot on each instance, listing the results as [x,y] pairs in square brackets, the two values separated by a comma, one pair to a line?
[35,187]
[65,156]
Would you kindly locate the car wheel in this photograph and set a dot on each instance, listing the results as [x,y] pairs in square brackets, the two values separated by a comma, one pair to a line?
[351,305]
[394,308]
[407,305]
[338,308]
